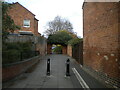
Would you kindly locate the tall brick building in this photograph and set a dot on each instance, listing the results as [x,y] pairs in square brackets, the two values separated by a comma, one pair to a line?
[24,18]
[101,24]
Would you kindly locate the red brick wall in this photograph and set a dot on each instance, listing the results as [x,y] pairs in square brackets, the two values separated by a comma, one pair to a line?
[64,49]
[69,50]
[41,46]
[101,33]
[119,30]
[49,49]
[36,27]
[11,71]
[18,13]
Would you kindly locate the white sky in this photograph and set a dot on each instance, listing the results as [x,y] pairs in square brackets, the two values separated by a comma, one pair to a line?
[47,10]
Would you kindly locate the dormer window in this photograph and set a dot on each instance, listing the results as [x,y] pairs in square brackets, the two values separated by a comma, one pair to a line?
[26,23]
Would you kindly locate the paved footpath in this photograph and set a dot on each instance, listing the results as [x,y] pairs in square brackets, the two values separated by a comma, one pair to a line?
[57,78]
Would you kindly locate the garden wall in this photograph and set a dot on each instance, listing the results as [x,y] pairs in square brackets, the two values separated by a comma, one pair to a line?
[9,71]
[101,39]
[39,42]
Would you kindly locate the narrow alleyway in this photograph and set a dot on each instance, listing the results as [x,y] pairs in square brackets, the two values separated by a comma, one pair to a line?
[57,79]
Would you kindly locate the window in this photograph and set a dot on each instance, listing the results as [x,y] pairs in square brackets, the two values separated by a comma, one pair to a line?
[26,23]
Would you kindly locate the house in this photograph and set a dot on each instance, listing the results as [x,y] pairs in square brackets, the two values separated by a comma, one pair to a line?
[29,28]
[23,18]
[101,42]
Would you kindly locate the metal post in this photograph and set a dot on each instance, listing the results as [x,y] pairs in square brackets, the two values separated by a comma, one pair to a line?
[68,67]
[21,56]
[48,66]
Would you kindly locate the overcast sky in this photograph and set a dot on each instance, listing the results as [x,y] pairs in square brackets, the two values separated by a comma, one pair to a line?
[47,10]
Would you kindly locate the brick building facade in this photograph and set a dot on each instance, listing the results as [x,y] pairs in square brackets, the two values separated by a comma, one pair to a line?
[23,18]
[101,24]
[29,26]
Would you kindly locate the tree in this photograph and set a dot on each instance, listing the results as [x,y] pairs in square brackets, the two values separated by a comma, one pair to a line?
[58,49]
[58,24]
[75,41]
[61,37]
[8,24]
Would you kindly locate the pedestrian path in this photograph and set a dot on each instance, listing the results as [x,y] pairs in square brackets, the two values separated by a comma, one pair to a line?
[87,80]
[38,79]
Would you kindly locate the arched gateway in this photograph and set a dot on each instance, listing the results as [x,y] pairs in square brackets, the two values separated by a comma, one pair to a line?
[59,38]
[49,49]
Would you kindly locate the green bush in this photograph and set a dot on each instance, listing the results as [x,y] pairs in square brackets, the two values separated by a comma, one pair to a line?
[58,49]
[19,46]
[61,37]
[10,56]
[11,46]
[14,52]
[74,41]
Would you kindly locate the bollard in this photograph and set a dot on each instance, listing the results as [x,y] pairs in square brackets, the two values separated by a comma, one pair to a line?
[48,67]
[68,67]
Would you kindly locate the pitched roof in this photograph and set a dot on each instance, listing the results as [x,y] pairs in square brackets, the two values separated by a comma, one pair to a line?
[36,19]
[23,7]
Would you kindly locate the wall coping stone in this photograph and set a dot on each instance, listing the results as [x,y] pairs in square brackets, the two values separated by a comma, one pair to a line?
[20,62]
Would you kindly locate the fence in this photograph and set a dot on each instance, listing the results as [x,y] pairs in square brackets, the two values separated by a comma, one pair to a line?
[77,52]
[39,42]
[25,38]
[15,56]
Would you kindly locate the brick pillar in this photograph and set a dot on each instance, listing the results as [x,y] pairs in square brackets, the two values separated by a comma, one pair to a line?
[49,49]
[69,50]
[64,49]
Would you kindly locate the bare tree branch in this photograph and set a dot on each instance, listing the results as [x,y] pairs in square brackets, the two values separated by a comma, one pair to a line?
[58,24]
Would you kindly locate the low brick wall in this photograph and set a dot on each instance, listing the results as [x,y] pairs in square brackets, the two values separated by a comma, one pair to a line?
[9,71]
[103,78]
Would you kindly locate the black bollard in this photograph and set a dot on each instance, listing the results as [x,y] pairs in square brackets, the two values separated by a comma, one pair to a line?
[48,67]
[68,67]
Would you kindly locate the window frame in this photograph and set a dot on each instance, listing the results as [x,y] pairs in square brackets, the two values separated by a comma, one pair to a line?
[25,23]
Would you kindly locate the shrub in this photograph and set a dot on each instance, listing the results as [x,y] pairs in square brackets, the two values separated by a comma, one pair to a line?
[10,56]
[58,49]
[74,41]
[14,52]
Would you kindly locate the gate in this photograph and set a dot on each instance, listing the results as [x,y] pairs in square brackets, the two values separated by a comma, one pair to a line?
[77,52]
